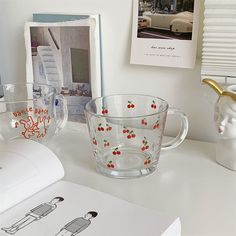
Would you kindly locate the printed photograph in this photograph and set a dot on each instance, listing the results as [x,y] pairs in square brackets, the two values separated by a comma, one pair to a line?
[165,19]
[61,58]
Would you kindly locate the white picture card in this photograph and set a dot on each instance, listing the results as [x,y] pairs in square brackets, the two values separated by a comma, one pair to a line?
[164,33]
[67,56]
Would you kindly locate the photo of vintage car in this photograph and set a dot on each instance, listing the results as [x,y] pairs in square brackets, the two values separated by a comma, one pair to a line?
[176,23]
[165,19]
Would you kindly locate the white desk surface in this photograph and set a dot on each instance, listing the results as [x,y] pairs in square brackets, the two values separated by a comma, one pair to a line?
[189,183]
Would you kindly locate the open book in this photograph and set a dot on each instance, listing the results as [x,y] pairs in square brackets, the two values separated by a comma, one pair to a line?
[26,167]
[70,209]
[64,208]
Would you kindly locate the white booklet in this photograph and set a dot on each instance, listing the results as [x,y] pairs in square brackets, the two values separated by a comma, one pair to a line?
[70,209]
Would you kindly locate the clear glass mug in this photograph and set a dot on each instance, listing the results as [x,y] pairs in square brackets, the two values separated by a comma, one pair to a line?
[30,111]
[126,133]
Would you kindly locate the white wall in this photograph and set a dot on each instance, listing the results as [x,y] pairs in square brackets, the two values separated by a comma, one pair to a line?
[180,87]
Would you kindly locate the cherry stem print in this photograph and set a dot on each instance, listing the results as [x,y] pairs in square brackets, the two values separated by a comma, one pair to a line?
[153,105]
[156,125]
[130,105]
[100,128]
[108,127]
[125,130]
[104,110]
[94,141]
[144,121]
[106,143]
[147,161]
[116,151]
[131,134]
[145,145]
[111,165]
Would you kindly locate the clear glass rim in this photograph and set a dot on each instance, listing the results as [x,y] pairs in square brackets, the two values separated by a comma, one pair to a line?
[125,117]
[26,84]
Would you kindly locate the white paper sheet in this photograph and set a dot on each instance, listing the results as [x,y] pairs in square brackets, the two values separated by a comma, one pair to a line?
[26,167]
[158,44]
[114,216]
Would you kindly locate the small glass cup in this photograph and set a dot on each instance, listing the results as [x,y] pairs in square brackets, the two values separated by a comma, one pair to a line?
[126,133]
[30,111]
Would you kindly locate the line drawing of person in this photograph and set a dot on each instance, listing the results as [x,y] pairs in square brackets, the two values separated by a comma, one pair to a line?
[34,214]
[77,225]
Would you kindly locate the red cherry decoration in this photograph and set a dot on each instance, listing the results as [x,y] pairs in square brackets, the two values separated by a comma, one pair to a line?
[130,104]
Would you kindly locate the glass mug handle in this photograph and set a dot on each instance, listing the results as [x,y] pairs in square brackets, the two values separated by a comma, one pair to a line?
[61,112]
[174,142]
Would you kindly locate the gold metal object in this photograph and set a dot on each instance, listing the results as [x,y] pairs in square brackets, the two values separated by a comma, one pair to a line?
[218,89]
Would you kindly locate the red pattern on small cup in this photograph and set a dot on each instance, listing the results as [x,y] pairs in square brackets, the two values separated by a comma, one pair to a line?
[34,128]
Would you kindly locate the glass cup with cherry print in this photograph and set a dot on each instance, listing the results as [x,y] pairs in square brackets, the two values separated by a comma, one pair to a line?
[31,111]
[126,133]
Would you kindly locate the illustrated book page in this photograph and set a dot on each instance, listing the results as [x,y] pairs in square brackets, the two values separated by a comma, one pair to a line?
[70,209]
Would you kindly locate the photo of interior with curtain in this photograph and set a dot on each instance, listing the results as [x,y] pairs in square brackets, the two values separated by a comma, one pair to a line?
[60,57]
